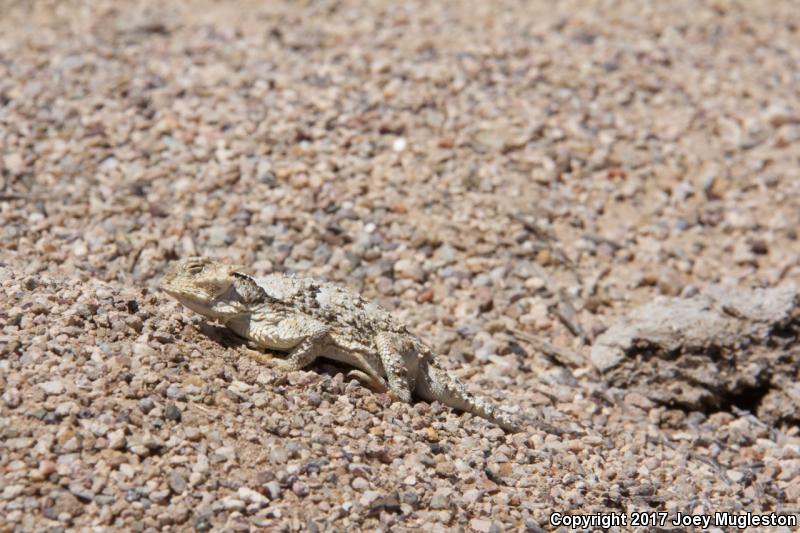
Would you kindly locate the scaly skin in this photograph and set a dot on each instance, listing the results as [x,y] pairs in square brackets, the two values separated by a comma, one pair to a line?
[310,319]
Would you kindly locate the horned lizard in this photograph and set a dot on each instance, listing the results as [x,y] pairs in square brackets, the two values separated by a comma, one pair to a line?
[310,319]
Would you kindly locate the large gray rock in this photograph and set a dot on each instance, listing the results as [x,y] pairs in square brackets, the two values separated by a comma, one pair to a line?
[724,346]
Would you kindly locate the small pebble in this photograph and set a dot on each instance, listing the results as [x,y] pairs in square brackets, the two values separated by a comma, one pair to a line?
[172,412]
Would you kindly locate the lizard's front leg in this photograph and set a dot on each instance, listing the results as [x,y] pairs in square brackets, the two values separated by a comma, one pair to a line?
[304,339]
[306,352]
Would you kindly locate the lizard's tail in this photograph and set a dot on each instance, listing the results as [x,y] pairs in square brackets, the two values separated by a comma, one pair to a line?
[435,384]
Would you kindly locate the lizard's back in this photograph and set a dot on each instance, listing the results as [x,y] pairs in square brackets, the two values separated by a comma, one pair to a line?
[346,312]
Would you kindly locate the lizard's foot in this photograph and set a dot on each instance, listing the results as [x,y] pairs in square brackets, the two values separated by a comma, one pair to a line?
[268,359]
[285,365]
[371,382]
[258,355]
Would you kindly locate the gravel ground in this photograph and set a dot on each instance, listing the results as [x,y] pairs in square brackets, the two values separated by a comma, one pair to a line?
[472,166]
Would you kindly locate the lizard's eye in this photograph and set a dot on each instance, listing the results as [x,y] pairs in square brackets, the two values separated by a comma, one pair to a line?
[194,269]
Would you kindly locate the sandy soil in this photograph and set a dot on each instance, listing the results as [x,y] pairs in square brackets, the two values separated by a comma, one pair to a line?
[475,167]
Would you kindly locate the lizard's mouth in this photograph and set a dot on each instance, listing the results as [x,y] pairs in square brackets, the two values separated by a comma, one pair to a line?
[211,304]
[197,307]
[191,297]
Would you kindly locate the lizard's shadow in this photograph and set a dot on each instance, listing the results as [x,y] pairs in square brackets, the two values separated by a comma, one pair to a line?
[222,335]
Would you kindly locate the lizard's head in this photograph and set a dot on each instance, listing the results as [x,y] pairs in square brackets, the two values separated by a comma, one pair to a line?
[204,286]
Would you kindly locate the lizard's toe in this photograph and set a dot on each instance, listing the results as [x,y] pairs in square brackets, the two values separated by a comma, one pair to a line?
[371,382]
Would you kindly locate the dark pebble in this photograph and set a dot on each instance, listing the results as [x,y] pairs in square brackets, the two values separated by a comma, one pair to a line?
[172,413]
[201,523]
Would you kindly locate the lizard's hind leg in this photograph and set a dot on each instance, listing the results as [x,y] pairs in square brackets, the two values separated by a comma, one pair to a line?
[399,358]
